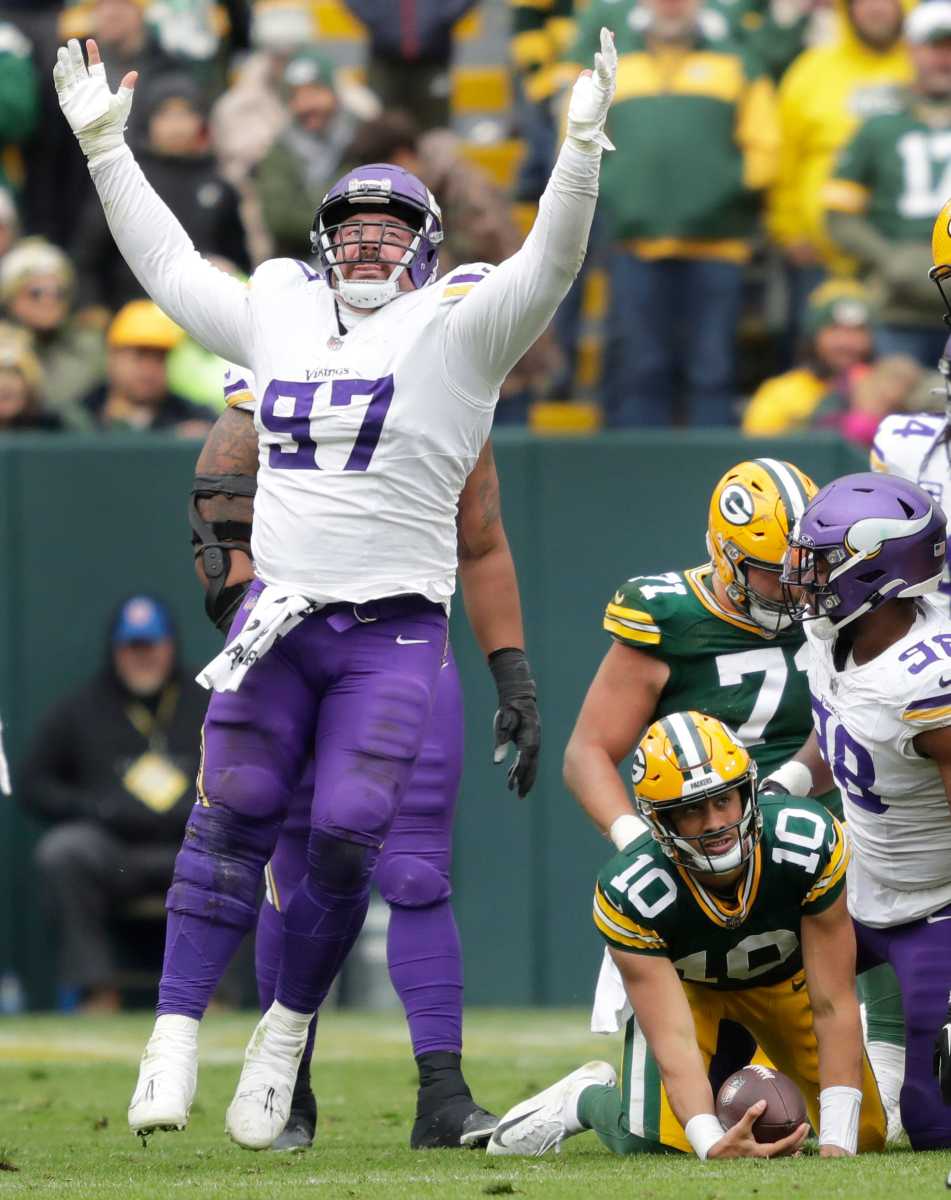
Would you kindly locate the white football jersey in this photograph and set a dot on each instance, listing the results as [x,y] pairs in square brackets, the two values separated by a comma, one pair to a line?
[367,429]
[895,805]
[364,443]
[914,447]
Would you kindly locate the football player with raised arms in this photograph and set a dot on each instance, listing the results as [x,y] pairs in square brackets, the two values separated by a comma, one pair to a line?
[730,908]
[378,387]
[863,561]
[413,872]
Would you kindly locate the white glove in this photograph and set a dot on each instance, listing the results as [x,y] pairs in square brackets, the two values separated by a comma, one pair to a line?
[592,95]
[96,115]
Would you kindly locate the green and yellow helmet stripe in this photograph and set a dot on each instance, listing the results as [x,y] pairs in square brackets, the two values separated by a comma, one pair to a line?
[792,493]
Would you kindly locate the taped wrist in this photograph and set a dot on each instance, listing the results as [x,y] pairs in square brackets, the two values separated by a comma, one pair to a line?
[213,542]
[512,674]
[839,1109]
[625,829]
[793,778]
[703,1132]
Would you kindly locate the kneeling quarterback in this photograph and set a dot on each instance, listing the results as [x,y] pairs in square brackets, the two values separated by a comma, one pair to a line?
[729,909]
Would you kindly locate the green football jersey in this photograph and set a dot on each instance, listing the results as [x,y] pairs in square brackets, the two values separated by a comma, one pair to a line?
[720,664]
[896,171]
[644,903]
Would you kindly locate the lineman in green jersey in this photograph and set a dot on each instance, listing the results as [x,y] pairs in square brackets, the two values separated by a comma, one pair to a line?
[728,909]
[717,639]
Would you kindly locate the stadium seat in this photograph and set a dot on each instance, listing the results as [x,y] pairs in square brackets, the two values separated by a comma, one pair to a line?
[561,418]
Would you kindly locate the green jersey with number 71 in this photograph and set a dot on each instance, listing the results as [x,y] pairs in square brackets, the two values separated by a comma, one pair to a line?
[720,662]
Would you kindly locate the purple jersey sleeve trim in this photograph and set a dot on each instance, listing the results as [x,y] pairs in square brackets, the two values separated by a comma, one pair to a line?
[465,278]
[240,385]
[311,275]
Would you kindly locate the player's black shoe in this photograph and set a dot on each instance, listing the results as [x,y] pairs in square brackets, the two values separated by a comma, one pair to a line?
[298,1133]
[459,1122]
[446,1115]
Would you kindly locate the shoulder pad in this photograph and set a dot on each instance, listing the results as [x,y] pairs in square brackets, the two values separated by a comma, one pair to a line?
[617,920]
[903,441]
[239,389]
[277,273]
[627,617]
[639,609]
[928,705]
[461,280]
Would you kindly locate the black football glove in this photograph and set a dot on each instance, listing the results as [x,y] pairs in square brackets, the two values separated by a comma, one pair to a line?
[942,1057]
[516,719]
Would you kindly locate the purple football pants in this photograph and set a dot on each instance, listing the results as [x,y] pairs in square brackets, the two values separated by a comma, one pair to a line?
[352,688]
[412,874]
[920,954]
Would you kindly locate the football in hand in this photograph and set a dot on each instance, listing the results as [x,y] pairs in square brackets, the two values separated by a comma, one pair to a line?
[785,1108]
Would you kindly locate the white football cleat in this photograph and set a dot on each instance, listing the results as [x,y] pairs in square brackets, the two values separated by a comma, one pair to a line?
[545,1120]
[262,1101]
[168,1075]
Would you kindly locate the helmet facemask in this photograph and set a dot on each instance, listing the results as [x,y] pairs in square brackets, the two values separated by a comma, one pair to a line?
[866,539]
[772,616]
[691,853]
[340,222]
[685,759]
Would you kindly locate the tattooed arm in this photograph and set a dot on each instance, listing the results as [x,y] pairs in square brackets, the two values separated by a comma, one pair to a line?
[486,569]
[231,449]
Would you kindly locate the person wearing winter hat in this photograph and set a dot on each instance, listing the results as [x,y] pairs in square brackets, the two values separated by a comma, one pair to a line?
[837,336]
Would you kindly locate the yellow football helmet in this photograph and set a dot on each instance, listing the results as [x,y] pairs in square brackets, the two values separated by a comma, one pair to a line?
[941,255]
[752,509]
[685,757]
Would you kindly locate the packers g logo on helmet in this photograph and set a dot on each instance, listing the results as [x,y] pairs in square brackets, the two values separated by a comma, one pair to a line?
[681,759]
[752,510]
[736,504]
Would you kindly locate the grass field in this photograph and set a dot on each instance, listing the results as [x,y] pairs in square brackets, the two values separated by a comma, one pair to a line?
[65,1083]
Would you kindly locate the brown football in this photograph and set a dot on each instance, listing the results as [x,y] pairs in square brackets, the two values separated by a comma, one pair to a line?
[785,1108]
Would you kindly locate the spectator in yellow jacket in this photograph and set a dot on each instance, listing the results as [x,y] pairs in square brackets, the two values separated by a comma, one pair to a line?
[823,97]
[837,330]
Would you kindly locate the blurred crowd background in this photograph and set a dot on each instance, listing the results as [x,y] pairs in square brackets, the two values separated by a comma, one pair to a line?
[761,246]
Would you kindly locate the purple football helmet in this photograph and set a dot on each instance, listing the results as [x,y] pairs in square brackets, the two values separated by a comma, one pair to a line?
[378,187]
[865,539]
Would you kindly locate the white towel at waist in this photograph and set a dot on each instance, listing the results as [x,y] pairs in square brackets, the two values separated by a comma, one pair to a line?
[611,1010]
[274,615]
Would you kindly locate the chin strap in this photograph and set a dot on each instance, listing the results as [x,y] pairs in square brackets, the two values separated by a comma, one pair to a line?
[213,542]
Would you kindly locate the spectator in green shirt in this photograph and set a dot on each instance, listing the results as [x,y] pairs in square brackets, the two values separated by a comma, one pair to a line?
[891,179]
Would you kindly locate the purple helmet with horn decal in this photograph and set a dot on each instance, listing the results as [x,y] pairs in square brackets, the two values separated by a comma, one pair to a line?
[376,188]
[865,539]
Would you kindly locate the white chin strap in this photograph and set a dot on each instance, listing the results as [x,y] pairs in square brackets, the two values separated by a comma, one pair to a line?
[768,620]
[715,864]
[366,293]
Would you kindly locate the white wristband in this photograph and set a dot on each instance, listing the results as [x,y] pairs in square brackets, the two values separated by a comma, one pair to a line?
[703,1132]
[625,828]
[839,1109]
[794,776]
